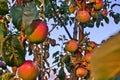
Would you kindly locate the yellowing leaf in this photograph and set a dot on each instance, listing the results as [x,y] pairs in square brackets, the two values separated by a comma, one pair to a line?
[105,62]
[42,1]
[42,15]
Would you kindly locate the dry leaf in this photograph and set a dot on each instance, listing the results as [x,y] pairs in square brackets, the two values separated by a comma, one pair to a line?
[105,62]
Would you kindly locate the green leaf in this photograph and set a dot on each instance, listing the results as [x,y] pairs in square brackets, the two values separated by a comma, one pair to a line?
[3,29]
[61,74]
[106,19]
[13,52]
[3,7]
[97,23]
[55,54]
[54,70]
[16,12]
[7,76]
[105,62]
[116,18]
[70,67]
[30,13]
[67,59]
[56,60]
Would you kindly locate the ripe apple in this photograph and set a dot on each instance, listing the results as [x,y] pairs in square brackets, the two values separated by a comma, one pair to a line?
[83,16]
[98,4]
[57,78]
[104,12]
[81,72]
[88,56]
[71,45]
[40,32]
[28,70]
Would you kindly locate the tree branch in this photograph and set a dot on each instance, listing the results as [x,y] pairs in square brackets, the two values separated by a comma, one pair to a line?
[60,19]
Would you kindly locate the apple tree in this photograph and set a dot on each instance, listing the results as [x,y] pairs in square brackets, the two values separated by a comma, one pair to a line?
[24,31]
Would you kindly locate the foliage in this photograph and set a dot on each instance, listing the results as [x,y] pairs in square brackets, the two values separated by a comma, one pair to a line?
[16,17]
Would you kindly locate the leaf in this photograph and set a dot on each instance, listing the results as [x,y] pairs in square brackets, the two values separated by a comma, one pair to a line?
[106,20]
[116,18]
[105,62]
[54,70]
[16,12]
[30,13]
[3,7]
[55,54]
[67,59]
[3,29]
[56,60]
[61,74]
[70,67]
[97,23]
[12,51]
[102,24]
[7,76]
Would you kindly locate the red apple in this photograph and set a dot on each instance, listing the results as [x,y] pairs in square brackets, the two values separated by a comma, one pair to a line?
[98,4]
[83,16]
[71,46]
[88,56]
[104,12]
[57,78]
[28,70]
[81,72]
[40,32]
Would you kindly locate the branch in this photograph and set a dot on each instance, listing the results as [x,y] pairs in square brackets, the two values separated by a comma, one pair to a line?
[114,5]
[60,19]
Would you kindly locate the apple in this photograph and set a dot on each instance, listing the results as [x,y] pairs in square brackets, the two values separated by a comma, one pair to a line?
[98,4]
[40,32]
[28,70]
[57,78]
[81,72]
[83,16]
[71,46]
[104,12]
[92,1]
[88,56]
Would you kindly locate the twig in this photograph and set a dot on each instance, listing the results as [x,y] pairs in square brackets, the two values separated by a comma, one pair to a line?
[60,20]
